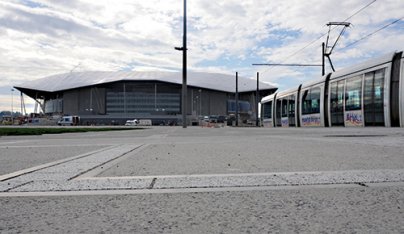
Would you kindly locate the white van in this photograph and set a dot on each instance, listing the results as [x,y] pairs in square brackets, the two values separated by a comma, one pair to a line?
[69,121]
[131,122]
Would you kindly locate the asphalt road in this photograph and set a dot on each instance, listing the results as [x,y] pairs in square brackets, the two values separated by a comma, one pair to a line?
[124,173]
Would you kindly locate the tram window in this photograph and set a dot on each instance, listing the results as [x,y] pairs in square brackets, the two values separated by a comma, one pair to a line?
[340,94]
[311,101]
[368,91]
[334,97]
[378,99]
[373,98]
[306,108]
[268,110]
[315,100]
[284,108]
[278,113]
[379,85]
[291,106]
[353,94]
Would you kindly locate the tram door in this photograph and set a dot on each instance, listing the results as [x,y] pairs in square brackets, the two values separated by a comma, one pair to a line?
[337,103]
[291,110]
[373,98]
[278,120]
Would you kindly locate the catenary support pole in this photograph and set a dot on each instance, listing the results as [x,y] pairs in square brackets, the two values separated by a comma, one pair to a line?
[184,70]
[236,98]
[323,60]
[257,100]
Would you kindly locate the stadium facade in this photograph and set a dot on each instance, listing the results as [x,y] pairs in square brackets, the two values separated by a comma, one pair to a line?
[114,97]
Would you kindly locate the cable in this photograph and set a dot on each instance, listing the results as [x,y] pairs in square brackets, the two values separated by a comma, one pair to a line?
[312,42]
[371,34]
[363,8]
[357,12]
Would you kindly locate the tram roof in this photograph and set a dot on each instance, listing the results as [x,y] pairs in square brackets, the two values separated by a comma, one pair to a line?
[365,65]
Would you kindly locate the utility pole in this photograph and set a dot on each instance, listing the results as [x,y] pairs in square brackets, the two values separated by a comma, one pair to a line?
[323,60]
[237,99]
[12,108]
[184,69]
[257,99]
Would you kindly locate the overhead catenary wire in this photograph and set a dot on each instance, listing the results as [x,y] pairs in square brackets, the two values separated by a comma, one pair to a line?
[363,8]
[357,12]
[318,38]
[288,65]
[372,33]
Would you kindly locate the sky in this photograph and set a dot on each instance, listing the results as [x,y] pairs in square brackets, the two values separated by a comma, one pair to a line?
[39,38]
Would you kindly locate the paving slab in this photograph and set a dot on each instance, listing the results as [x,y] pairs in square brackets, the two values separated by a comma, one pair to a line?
[86,185]
[259,154]
[18,158]
[299,210]
[54,176]
[217,181]
[6,186]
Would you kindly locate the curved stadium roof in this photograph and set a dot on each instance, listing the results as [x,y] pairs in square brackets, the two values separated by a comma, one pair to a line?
[213,81]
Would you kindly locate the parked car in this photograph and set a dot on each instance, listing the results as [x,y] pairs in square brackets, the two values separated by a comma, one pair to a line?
[213,119]
[221,119]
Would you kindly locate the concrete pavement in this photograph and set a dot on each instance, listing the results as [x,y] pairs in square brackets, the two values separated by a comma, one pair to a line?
[201,180]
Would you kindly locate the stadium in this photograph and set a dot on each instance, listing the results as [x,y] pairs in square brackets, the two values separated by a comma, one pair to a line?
[100,97]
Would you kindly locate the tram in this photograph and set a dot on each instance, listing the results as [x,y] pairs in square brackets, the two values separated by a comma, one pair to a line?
[367,94]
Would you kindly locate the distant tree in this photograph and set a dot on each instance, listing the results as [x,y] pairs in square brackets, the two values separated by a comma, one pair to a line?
[3,113]
[8,113]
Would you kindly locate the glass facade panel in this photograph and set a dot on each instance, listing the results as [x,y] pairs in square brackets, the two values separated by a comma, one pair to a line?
[243,106]
[353,94]
[54,106]
[231,106]
[143,99]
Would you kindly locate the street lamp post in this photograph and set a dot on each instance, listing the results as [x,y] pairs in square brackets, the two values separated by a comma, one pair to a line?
[236,99]
[192,103]
[200,101]
[184,69]
[257,100]
[12,107]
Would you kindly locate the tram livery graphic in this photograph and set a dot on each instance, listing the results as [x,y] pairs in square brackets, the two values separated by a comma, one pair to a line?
[368,94]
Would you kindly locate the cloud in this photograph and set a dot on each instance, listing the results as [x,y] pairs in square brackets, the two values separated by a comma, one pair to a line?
[45,37]
[12,100]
